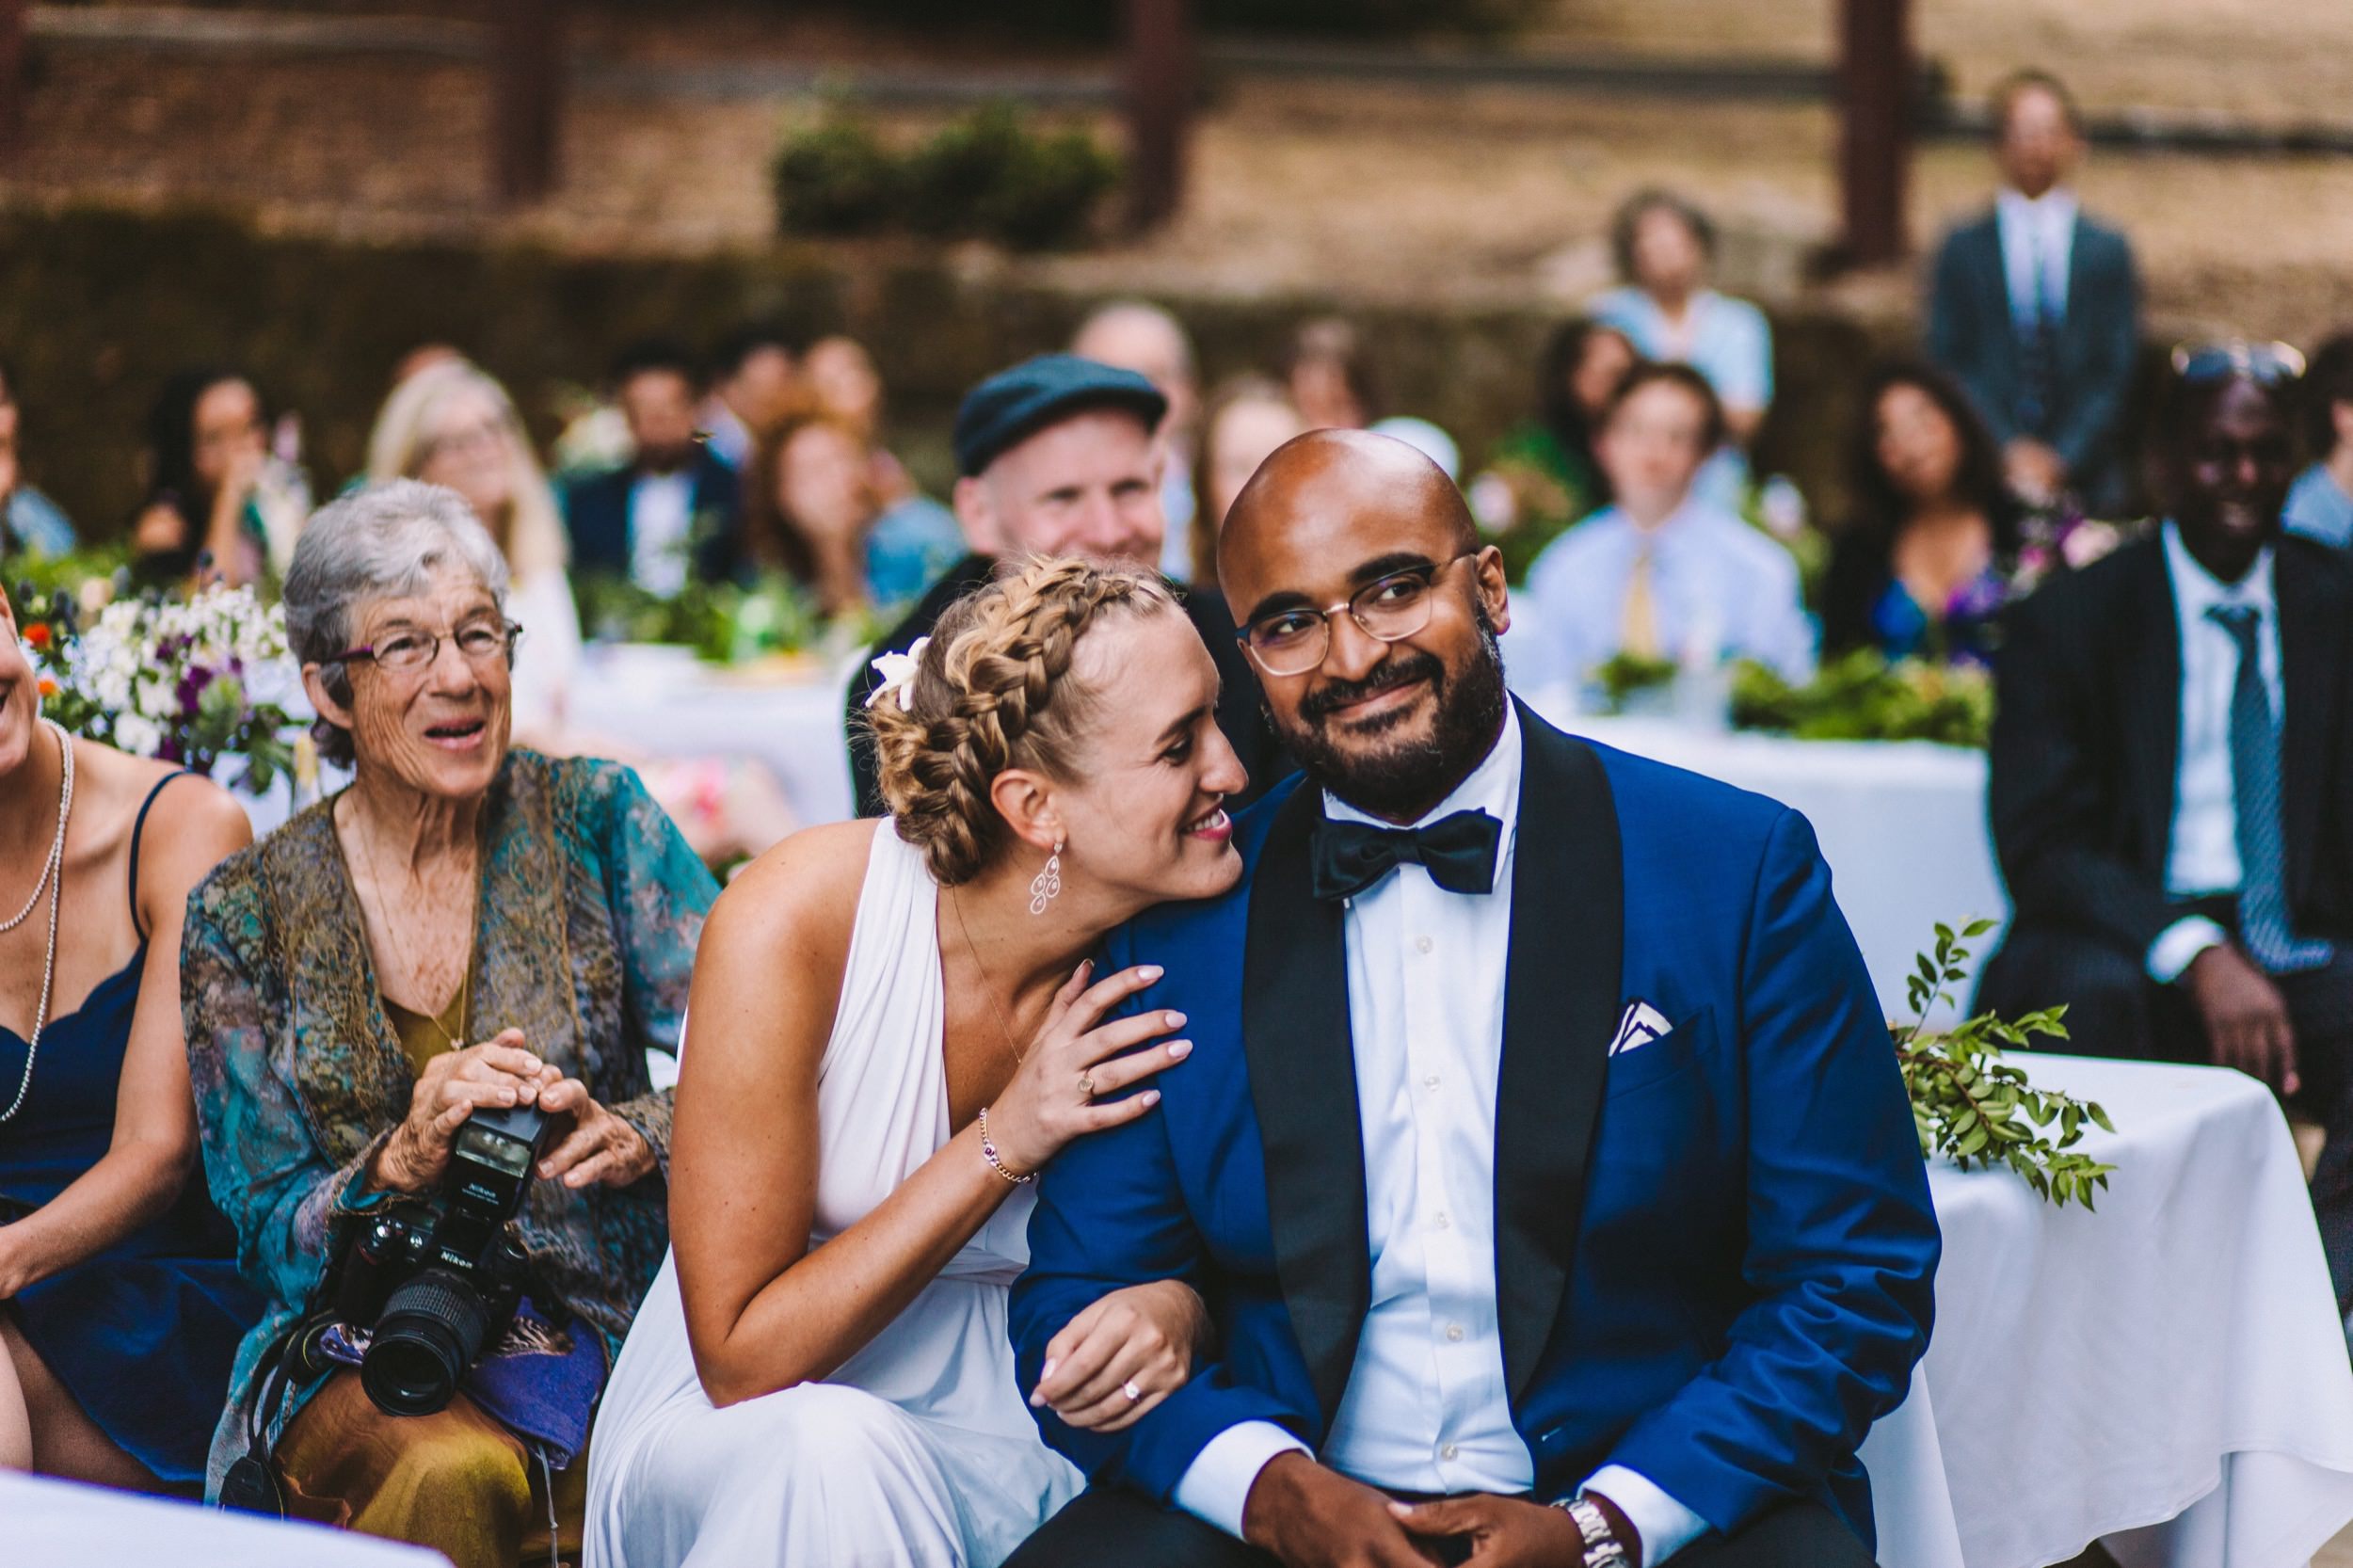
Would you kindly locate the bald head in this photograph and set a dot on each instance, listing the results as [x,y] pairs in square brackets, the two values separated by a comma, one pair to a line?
[1340,493]
[1372,613]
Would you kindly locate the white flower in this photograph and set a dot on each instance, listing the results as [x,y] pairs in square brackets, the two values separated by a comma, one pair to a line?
[898,675]
[137,735]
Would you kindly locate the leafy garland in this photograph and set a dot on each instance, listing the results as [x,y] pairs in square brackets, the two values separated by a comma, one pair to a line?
[1861,696]
[1973,1107]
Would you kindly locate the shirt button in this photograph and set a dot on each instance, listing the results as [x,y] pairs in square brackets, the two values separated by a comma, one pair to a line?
[1438,1221]
[1449,1452]
[1454,1334]
[1421,944]
[1431,1081]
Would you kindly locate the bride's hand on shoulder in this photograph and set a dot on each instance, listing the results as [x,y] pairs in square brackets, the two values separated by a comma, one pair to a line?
[1122,1355]
[1063,1086]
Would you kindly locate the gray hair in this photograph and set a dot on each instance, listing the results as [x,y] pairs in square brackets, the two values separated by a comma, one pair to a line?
[382,541]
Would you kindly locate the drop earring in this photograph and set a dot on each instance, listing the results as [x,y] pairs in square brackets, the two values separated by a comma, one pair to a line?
[1046,884]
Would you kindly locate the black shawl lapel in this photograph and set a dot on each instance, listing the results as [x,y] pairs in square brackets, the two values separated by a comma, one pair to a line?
[1560,1003]
[1303,1081]
[2150,669]
[2312,661]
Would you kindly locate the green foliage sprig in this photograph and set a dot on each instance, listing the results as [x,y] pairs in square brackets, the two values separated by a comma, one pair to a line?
[1973,1107]
[1625,676]
[1861,696]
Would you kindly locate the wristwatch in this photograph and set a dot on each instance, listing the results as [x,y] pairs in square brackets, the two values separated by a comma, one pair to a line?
[1603,1549]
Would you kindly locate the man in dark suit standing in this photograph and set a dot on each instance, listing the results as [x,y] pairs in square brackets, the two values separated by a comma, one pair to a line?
[2172,777]
[672,514]
[1057,456]
[2036,310]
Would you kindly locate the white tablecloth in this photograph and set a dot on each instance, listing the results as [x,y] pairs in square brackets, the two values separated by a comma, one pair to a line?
[662,699]
[2167,1373]
[56,1524]
[1901,823]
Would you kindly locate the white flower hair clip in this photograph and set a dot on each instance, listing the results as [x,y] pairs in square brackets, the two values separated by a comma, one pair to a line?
[898,675]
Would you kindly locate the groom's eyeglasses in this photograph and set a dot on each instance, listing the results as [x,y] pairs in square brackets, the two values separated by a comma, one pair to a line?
[1389,609]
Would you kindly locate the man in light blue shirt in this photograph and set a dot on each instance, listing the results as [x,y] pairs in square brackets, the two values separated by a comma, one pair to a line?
[2320,504]
[1663,573]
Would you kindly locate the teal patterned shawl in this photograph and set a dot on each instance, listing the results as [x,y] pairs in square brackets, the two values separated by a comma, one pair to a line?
[590,908]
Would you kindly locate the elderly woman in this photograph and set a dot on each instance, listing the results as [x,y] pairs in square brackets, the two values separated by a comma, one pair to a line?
[465,928]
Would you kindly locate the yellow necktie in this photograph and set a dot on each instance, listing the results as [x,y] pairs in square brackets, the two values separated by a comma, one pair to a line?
[1637,633]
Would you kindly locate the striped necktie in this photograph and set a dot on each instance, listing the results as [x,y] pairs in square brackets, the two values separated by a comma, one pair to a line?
[2263,894]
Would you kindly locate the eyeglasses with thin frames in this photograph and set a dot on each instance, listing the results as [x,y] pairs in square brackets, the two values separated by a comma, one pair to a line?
[1389,610]
[408,650]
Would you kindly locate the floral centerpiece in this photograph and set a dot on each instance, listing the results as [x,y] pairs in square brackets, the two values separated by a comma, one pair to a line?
[188,682]
[1861,696]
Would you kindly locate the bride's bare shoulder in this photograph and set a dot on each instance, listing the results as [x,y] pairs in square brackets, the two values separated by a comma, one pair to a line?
[803,892]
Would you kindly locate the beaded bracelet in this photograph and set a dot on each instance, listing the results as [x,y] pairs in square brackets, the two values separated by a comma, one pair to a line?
[996,1162]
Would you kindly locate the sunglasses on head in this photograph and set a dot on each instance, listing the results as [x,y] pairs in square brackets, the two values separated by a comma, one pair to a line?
[2267,365]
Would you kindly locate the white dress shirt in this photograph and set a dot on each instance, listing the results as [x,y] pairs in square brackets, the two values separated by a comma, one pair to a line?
[2201,856]
[2037,234]
[661,517]
[1427,1408]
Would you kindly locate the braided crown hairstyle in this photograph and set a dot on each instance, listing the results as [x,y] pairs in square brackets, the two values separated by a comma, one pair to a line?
[994,691]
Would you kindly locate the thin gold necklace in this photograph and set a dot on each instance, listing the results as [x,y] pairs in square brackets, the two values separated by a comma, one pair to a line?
[465,985]
[988,982]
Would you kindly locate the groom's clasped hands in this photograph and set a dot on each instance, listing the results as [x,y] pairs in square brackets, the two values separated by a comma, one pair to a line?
[1309,1515]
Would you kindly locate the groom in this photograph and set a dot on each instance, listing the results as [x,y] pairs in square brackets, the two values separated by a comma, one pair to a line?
[1542,1158]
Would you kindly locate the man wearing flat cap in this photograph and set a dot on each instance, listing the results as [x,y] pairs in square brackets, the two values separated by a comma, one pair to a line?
[1057,456]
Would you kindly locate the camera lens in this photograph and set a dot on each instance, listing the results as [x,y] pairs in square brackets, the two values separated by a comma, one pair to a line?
[431,1329]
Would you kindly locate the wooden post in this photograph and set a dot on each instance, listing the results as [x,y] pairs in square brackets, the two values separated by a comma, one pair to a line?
[15,82]
[1875,140]
[1160,67]
[527,112]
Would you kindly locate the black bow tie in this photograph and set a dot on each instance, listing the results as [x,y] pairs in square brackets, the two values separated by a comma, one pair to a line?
[1458,852]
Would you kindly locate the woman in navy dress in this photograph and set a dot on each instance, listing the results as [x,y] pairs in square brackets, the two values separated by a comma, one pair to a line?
[120,1302]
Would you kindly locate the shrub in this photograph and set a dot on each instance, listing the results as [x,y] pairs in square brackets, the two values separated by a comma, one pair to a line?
[836,177]
[987,175]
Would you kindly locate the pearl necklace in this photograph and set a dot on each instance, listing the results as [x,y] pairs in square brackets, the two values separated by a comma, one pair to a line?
[56,867]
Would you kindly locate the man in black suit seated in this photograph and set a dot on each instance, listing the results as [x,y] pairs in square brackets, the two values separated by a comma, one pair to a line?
[2171,781]
[2034,309]
[672,514]
[1058,457]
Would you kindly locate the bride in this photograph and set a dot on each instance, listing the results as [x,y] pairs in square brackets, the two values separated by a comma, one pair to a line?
[894,1028]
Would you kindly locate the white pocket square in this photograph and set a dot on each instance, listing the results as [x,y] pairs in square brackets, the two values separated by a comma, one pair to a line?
[1643,1025]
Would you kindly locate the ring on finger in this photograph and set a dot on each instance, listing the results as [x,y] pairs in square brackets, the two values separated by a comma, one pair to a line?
[1135,1395]
[1086,1083]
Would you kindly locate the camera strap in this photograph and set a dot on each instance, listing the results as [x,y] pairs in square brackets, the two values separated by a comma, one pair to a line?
[251,1485]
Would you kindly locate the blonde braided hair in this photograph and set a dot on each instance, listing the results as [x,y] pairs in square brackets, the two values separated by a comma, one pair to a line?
[994,691]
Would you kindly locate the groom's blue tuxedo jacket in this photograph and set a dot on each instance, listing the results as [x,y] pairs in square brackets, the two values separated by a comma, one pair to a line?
[1714,1253]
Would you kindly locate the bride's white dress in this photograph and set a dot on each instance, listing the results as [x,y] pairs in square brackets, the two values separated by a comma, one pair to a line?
[920,1448]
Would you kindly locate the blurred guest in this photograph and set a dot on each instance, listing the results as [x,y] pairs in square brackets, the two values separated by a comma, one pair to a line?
[1663,246]
[220,494]
[30,522]
[815,516]
[1246,419]
[1058,457]
[466,926]
[451,424]
[2171,783]
[839,381]
[1543,476]
[1330,377]
[672,514]
[2320,504]
[423,358]
[1923,566]
[1663,573]
[120,1305]
[1131,334]
[2035,309]
[752,389]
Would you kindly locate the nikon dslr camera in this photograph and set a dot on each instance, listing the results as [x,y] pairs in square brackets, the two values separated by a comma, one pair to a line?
[438,1278]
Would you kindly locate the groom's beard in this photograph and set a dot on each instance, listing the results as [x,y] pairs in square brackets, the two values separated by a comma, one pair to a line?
[1403,779]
